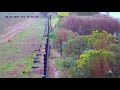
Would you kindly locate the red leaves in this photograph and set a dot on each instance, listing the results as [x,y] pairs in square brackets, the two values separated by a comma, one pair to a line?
[100,68]
[86,24]
[63,35]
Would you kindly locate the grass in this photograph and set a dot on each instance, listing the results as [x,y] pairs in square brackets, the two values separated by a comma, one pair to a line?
[58,63]
[14,48]
[54,21]
[10,48]
[7,67]
[28,62]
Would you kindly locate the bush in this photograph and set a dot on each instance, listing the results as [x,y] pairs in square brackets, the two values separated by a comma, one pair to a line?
[101,40]
[97,40]
[116,66]
[97,63]
[68,63]
[76,45]
[86,24]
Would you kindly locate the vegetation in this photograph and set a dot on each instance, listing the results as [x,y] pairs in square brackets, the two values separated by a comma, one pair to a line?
[96,58]
[87,42]
[84,25]
[16,57]
[97,63]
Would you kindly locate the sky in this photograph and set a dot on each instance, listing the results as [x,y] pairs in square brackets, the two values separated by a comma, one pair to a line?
[113,14]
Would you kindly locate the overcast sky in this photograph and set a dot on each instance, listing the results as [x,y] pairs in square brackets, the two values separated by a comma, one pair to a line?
[114,14]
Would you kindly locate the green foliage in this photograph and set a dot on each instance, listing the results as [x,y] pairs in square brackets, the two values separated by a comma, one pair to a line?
[68,66]
[53,36]
[63,13]
[55,20]
[97,40]
[91,56]
[77,45]
[84,13]
[101,40]
[68,63]
[58,64]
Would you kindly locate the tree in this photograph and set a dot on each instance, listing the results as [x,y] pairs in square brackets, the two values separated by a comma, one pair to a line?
[77,45]
[62,36]
[84,13]
[84,25]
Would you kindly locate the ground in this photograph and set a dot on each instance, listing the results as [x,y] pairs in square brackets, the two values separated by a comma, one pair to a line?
[54,72]
[17,55]
[17,51]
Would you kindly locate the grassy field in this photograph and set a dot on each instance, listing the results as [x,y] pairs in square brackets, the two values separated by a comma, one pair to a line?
[19,52]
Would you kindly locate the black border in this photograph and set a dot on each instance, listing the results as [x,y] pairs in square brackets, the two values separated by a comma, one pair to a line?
[61,83]
[59,5]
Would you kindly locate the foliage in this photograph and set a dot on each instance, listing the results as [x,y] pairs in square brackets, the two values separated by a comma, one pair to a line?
[116,66]
[54,21]
[68,63]
[96,62]
[53,36]
[63,13]
[62,36]
[84,13]
[101,40]
[78,44]
[87,24]
[59,24]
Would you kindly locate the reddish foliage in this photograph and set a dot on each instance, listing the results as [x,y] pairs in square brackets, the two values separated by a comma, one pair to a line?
[86,24]
[100,68]
[63,34]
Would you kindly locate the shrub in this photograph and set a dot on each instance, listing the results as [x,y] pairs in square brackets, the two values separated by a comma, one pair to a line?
[68,63]
[101,40]
[116,66]
[98,63]
[62,36]
[97,40]
[77,45]
[86,24]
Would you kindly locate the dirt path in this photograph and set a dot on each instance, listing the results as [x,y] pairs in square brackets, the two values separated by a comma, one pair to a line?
[53,72]
[16,30]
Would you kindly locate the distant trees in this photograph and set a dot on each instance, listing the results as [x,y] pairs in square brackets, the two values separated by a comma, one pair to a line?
[87,24]
[84,13]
